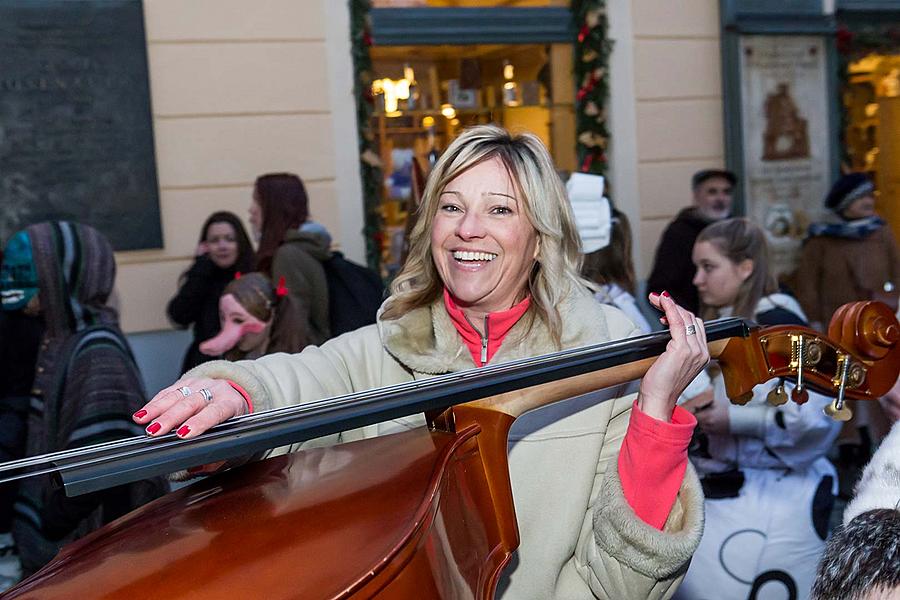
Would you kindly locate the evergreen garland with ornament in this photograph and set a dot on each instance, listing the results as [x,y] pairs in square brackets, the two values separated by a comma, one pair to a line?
[369,159]
[592,50]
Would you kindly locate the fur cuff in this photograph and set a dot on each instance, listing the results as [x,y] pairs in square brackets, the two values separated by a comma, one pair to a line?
[240,373]
[649,551]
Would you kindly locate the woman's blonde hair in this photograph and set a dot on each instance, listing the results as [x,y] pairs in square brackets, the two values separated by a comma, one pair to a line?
[543,200]
[737,240]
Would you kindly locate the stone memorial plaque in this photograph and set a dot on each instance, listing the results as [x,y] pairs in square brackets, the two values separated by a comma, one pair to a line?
[76,133]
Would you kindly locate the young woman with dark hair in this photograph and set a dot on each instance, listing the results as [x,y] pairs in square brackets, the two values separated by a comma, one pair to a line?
[292,247]
[612,269]
[223,250]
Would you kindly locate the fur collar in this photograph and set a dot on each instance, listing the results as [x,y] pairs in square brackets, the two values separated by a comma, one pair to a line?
[425,340]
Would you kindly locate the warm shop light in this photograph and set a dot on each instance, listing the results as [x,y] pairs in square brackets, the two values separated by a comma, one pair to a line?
[509,71]
[428,122]
[448,111]
[393,90]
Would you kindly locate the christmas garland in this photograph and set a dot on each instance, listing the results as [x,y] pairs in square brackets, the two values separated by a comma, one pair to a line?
[592,50]
[369,160]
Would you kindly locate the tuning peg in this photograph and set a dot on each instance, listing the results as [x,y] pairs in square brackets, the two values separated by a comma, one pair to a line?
[799,394]
[798,357]
[777,396]
[838,411]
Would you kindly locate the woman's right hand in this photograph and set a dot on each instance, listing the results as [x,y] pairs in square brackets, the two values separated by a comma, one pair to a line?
[184,408]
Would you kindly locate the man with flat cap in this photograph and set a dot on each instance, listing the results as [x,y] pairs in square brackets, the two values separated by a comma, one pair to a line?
[673,270]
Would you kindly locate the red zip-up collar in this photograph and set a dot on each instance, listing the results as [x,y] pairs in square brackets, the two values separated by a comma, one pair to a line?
[495,327]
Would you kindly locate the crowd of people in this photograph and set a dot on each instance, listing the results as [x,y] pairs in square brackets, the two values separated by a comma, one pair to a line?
[506,260]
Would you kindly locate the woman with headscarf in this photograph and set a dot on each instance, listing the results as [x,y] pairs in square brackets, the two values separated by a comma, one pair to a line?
[492,276]
[86,381]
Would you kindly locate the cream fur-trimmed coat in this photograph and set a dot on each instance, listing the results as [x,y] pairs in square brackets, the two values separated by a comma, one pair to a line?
[580,538]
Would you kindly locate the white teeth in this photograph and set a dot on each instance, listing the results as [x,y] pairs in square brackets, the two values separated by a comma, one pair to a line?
[474,256]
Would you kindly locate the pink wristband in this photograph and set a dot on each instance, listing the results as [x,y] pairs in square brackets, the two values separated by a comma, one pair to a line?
[243,393]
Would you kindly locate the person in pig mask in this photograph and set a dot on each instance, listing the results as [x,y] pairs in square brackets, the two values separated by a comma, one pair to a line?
[257,318]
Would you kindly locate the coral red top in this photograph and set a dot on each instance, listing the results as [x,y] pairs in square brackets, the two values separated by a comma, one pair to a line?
[653,457]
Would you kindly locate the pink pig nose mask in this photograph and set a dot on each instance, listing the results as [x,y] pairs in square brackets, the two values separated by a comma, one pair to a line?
[233,332]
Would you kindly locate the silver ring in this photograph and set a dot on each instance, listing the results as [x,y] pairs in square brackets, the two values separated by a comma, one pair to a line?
[688,330]
[185,391]
[207,395]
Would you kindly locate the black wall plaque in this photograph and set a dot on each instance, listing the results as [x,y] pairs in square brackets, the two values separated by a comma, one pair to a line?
[76,133]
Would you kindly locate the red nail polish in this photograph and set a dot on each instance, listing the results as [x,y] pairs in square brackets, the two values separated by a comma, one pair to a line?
[666,294]
[140,414]
[153,428]
[183,431]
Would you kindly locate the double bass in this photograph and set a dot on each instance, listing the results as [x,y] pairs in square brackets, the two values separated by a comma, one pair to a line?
[426,513]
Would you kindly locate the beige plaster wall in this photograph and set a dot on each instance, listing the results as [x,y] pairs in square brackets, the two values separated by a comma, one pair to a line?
[239,89]
[667,109]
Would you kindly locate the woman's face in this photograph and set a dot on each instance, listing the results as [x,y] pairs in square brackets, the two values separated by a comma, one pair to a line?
[718,280]
[239,329]
[860,208]
[256,217]
[221,241]
[482,243]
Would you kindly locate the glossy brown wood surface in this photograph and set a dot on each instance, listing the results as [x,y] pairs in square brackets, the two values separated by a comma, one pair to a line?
[408,515]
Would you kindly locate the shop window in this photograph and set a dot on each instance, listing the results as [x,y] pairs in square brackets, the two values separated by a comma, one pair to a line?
[872,105]
[426,95]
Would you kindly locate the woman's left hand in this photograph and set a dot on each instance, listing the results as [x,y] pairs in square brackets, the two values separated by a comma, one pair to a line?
[685,356]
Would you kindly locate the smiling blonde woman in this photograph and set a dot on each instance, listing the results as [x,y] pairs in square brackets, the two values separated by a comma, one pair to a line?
[493,277]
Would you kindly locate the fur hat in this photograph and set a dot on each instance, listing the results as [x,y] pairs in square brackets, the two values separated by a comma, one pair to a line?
[879,486]
[591,209]
[845,190]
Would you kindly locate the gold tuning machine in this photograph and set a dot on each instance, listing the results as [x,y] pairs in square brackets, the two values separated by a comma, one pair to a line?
[777,396]
[838,410]
[798,358]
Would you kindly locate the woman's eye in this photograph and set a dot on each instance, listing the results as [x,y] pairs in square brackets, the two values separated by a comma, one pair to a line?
[501,210]
[449,208]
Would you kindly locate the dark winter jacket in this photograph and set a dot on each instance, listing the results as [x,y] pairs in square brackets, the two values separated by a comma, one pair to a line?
[673,269]
[299,261]
[197,303]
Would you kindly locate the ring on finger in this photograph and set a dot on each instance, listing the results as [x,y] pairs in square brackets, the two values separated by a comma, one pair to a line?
[185,391]
[207,395]
[690,329]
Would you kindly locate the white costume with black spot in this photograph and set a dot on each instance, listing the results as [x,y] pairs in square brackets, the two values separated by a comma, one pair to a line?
[765,540]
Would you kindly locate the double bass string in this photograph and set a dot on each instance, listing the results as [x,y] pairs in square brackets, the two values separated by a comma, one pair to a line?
[389,402]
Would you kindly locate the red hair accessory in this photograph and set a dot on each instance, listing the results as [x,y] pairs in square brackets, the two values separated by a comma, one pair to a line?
[237,275]
[281,290]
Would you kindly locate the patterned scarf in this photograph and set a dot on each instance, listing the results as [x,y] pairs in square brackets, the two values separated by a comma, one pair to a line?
[852,230]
